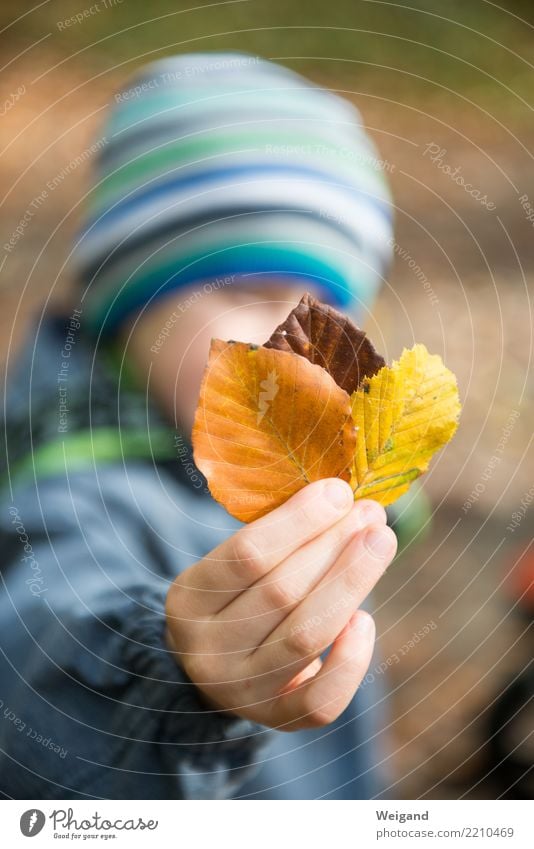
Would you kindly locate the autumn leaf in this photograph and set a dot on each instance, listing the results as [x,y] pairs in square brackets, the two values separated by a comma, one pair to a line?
[330,339]
[403,414]
[273,418]
[268,422]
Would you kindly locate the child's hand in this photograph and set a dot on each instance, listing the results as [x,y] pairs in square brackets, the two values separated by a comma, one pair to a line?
[249,622]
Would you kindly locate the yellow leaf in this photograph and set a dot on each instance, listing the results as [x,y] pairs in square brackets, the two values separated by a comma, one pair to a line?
[403,415]
[268,422]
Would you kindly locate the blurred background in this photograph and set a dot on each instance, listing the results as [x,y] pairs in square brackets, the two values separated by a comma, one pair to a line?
[446,89]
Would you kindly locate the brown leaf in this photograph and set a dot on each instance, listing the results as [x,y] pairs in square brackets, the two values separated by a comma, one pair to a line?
[329,339]
[268,423]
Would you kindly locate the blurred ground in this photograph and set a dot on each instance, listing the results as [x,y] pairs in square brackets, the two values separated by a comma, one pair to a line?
[463,283]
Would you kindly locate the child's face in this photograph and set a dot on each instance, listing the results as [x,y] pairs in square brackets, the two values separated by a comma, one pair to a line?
[169,343]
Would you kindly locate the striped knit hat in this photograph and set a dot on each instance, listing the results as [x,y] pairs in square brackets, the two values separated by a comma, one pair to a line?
[226,165]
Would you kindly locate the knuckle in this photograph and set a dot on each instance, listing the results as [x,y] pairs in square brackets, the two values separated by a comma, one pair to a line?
[279,595]
[301,641]
[247,558]
[353,581]
[306,517]
[341,535]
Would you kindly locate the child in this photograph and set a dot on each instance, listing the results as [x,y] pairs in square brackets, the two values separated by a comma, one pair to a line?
[150,647]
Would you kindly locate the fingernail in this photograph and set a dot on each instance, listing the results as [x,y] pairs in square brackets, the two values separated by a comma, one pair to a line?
[380,542]
[338,493]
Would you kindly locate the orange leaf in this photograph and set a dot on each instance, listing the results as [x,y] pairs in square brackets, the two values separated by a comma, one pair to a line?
[268,423]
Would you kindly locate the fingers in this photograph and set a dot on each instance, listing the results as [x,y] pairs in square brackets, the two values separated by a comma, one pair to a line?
[256,549]
[257,612]
[320,699]
[316,622]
